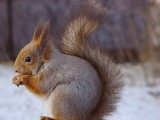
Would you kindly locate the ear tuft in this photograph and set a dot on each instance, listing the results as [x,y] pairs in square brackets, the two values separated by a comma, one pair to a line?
[43,43]
[45,32]
[38,31]
[44,37]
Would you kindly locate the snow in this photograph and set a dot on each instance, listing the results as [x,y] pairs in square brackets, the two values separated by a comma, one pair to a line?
[138,103]
[140,100]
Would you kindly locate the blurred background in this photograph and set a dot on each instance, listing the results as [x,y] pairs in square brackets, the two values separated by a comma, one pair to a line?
[131,32]
[131,35]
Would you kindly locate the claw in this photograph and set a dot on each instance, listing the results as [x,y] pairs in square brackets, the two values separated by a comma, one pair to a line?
[17,82]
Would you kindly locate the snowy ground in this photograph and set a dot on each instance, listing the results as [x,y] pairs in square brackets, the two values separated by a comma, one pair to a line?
[140,98]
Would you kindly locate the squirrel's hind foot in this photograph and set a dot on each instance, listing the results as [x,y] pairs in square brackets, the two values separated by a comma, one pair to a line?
[46,118]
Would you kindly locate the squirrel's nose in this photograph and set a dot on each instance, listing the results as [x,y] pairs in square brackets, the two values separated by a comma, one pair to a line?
[16,70]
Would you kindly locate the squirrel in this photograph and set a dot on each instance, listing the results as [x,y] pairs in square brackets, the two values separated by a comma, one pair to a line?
[76,78]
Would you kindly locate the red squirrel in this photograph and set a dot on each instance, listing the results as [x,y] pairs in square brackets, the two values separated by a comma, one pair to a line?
[76,79]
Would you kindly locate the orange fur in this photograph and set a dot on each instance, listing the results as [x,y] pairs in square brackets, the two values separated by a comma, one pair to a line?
[38,31]
[31,83]
[43,40]
[39,49]
[46,118]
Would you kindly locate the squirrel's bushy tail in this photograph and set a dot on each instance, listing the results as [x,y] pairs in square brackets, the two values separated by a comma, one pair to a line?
[84,20]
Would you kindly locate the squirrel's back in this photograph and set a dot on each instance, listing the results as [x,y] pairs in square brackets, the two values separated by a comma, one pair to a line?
[67,68]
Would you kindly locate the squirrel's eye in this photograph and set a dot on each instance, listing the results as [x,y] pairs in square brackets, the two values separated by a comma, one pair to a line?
[28,59]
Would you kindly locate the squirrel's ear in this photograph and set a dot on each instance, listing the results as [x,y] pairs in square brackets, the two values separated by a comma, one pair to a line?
[43,42]
[38,31]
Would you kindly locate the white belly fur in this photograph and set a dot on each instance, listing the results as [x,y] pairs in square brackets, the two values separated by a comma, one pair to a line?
[49,106]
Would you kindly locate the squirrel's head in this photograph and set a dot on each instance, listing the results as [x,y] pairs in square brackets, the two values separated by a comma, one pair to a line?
[32,57]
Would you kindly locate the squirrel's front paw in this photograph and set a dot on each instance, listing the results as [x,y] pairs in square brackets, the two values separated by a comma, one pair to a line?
[18,80]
